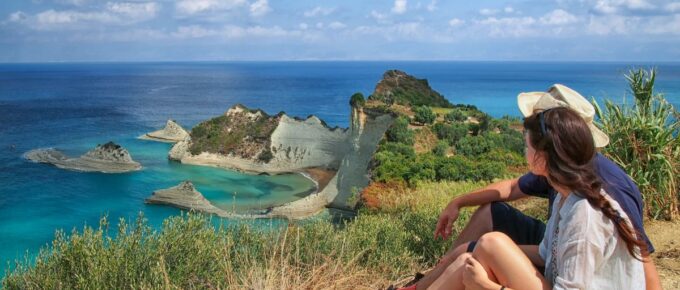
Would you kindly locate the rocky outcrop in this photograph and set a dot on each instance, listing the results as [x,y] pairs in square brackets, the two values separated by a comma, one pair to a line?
[185,196]
[171,133]
[291,144]
[106,158]
[398,87]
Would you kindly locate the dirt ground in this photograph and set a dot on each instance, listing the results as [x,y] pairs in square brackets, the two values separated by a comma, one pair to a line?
[666,239]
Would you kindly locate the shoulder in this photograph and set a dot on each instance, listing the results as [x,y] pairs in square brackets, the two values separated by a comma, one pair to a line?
[581,220]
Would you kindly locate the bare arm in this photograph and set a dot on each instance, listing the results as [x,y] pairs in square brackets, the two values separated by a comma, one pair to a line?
[651,276]
[505,190]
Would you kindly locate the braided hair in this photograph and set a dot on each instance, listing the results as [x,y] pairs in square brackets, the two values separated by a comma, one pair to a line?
[569,150]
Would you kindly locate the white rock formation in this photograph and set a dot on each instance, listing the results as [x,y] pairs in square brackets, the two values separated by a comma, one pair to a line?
[171,133]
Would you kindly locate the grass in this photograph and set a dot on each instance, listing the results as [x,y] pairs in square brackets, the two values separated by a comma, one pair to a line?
[383,244]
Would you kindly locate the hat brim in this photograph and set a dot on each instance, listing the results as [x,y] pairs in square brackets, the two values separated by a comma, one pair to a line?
[601,139]
[527,101]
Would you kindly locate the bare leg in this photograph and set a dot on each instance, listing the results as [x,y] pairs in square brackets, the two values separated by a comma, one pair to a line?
[480,223]
[452,276]
[505,261]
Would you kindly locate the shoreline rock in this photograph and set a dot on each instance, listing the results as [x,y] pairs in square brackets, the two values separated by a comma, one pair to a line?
[106,158]
[171,133]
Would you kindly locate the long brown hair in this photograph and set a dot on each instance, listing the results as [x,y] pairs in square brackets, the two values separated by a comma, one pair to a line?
[569,150]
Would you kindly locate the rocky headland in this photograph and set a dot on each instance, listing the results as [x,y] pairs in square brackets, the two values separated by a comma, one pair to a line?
[254,142]
[106,158]
[185,196]
[171,133]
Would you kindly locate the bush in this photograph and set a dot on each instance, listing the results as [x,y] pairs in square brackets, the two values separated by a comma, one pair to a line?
[473,146]
[440,149]
[644,142]
[450,133]
[399,131]
[357,100]
[398,148]
[265,156]
[424,115]
[455,115]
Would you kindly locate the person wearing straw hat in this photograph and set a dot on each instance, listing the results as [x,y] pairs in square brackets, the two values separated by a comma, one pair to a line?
[494,215]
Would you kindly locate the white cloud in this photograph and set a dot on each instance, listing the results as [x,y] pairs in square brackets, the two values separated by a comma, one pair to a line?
[509,9]
[399,7]
[620,6]
[233,31]
[259,8]
[488,11]
[605,25]
[509,26]
[456,22]
[72,2]
[318,11]
[18,16]
[190,7]
[138,11]
[378,16]
[432,6]
[303,26]
[558,17]
[337,25]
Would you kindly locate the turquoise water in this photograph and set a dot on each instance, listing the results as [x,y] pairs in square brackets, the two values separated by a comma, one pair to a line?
[74,107]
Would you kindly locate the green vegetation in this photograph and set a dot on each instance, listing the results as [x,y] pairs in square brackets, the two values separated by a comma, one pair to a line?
[189,252]
[455,115]
[424,115]
[357,100]
[236,133]
[397,87]
[644,142]
[399,131]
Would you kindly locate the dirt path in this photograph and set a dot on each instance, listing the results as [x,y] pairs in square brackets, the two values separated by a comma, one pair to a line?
[666,239]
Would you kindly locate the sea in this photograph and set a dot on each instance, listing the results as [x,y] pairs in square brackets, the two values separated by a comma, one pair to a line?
[75,106]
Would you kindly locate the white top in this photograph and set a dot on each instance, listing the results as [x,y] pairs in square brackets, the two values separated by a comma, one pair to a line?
[590,253]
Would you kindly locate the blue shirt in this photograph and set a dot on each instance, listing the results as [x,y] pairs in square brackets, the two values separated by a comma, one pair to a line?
[614,181]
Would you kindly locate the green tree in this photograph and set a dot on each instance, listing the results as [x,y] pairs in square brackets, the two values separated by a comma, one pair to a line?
[399,131]
[424,115]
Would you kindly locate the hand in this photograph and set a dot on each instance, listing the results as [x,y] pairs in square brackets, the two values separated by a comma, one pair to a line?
[475,276]
[446,219]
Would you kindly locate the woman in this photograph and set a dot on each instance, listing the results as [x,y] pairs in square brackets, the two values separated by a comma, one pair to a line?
[589,242]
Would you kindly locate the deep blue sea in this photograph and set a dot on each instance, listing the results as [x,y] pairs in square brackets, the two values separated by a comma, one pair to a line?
[75,106]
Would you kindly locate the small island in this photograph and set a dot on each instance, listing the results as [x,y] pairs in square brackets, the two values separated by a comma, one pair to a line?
[171,133]
[106,158]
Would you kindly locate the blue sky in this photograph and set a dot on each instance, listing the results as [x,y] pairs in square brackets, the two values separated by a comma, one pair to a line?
[188,30]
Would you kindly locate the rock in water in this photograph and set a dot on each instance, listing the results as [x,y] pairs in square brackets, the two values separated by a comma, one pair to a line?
[185,196]
[172,133]
[107,158]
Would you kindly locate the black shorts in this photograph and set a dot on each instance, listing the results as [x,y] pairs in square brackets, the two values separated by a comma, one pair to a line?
[522,229]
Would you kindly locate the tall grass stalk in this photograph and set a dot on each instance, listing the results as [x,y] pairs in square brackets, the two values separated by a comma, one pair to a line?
[644,141]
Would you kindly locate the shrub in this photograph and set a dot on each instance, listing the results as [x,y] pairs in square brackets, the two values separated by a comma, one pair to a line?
[473,146]
[399,131]
[644,142]
[357,100]
[455,115]
[441,148]
[424,115]
[265,156]
[398,148]
[450,133]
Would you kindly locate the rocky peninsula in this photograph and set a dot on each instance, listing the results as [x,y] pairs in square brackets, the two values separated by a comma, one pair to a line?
[254,142]
[106,158]
[171,133]
[185,196]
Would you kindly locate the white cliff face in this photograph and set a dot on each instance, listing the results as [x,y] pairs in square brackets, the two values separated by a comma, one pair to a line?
[300,144]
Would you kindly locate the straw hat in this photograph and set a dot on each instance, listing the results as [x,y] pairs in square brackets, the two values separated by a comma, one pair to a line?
[562,96]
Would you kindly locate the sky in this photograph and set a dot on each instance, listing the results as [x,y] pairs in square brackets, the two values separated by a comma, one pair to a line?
[223,30]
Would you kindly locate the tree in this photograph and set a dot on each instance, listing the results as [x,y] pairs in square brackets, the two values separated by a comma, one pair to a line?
[424,115]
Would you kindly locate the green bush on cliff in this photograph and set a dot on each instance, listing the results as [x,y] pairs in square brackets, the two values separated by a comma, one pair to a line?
[357,100]
[232,134]
[424,115]
[456,115]
[450,133]
[399,131]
